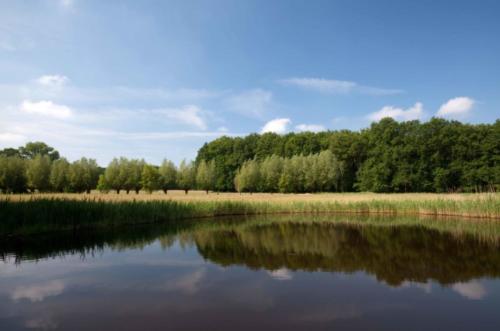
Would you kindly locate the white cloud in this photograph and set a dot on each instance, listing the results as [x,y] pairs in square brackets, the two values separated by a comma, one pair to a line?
[278,125]
[310,127]
[11,138]
[46,108]
[472,290]
[333,86]
[37,293]
[190,115]
[253,103]
[412,113]
[322,85]
[52,80]
[456,107]
[281,274]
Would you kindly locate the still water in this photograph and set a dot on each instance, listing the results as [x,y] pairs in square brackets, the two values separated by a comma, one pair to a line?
[253,274]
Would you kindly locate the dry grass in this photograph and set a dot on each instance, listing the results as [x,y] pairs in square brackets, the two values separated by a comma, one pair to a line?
[33,213]
[260,197]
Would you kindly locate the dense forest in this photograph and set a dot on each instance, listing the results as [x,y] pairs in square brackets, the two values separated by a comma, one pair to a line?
[389,156]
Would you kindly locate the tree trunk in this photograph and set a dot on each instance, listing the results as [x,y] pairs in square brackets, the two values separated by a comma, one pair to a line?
[117,191]
[186,191]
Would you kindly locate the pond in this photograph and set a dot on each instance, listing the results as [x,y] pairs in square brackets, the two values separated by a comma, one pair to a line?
[274,273]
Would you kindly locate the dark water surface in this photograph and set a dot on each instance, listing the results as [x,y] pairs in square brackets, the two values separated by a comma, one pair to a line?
[253,274]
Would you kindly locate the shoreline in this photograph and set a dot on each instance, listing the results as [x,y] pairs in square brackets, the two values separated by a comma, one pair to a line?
[44,214]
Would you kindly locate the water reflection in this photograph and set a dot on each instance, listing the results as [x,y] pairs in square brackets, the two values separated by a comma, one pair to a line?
[260,273]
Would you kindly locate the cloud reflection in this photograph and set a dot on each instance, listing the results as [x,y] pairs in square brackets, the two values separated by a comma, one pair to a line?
[43,323]
[281,274]
[37,293]
[472,290]
[189,283]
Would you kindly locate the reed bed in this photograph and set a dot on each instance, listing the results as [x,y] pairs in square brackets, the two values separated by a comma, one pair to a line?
[42,213]
[176,195]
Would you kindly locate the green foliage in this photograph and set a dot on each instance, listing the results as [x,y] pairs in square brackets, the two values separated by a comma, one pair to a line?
[10,152]
[248,177]
[38,173]
[102,185]
[390,156]
[83,175]
[270,170]
[205,175]
[32,149]
[59,175]
[112,176]
[150,178]
[186,179]
[12,174]
[130,174]
[168,176]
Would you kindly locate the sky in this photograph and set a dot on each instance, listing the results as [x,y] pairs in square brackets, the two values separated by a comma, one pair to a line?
[158,79]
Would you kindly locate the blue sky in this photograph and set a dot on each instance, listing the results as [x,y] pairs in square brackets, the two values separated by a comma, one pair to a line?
[157,79]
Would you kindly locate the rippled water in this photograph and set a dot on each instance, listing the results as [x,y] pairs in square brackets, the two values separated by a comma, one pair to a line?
[253,274]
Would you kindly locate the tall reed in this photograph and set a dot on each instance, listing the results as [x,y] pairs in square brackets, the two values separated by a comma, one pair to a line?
[41,215]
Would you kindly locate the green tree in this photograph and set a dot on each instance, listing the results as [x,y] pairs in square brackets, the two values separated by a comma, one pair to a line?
[248,178]
[38,173]
[130,174]
[12,174]
[113,176]
[32,149]
[83,175]
[102,185]
[150,178]
[168,176]
[10,152]
[186,179]
[205,175]
[270,169]
[59,175]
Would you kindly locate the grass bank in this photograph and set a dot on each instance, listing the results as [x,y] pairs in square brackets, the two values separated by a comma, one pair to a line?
[45,214]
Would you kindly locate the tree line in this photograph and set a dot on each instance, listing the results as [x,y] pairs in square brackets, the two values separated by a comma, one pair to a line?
[135,175]
[389,156]
[38,167]
[312,173]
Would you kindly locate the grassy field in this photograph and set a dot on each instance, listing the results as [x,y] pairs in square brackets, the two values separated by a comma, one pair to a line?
[34,213]
[176,195]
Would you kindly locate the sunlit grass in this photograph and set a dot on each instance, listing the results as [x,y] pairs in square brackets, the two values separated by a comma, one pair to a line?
[39,213]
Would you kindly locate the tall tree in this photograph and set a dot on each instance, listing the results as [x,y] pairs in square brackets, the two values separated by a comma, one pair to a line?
[38,173]
[32,149]
[168,176]
[59,175]
[186,179]
[84,175]
[13,175]
[113,177]
[150,178]
[205,175]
